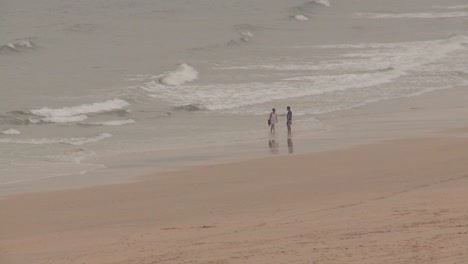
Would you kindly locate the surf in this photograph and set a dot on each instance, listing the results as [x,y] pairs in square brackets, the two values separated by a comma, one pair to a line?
[69,141]
[413,15]
[78,113]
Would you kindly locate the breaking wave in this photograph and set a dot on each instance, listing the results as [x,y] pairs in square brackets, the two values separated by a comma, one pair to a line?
[389,61]
[69,141]
[190,108]
[78,113]
[10,131]
[111,123]
[62,119]
[245,31]
[323,2]
[17,46]
[309,7]
[182,74]
[301,18]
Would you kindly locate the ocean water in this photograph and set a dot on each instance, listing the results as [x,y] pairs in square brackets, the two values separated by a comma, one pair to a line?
[90,86]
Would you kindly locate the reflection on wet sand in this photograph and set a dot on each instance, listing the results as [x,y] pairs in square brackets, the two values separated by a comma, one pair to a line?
[290,145]
[273,145]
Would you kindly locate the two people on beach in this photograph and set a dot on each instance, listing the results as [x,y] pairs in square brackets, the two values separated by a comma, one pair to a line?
[273,120]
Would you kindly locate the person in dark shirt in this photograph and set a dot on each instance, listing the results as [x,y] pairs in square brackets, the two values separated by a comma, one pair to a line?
[289,119]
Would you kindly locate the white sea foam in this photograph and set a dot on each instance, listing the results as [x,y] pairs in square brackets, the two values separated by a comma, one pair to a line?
[166,81]
[247,34]
[17,46]
[414,15]
[372,56]
[112,123]
[389,62]
[140,77]
[65,119]
[105,106]
[238,95]
[34,120]
[219,97]
[322,2]
[182,74]
[10,131]
[309,7]
[397,59]
[78,113]
[454,7]
[301,18]
[47,141]
[460,39]
[76,156]
[24,44]
[277,67]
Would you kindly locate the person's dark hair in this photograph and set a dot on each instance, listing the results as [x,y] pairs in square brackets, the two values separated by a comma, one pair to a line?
[273,109]
[288,107]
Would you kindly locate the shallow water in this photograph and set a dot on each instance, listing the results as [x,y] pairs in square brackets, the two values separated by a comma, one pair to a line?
[83,83]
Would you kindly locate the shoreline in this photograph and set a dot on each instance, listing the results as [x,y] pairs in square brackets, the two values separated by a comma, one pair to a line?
[385,120]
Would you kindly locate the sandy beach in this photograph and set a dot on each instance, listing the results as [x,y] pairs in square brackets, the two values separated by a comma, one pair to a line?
[133,132]
[400,201]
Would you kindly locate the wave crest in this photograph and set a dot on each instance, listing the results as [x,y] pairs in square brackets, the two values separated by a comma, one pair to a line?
[301,18]
[17,46]
[182,74]
[111,123]
[323,2]
[78,113]
[309,7]
[190,108]
[10,131]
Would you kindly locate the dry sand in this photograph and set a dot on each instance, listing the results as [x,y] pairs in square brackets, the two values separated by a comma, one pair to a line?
[402,201]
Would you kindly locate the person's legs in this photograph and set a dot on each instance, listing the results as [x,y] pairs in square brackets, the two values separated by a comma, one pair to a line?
[272,129]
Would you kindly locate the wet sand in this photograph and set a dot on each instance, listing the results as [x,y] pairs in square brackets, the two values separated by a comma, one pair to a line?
[400,201]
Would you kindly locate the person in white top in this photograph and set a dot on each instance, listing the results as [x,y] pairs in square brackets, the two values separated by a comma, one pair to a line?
[273,120]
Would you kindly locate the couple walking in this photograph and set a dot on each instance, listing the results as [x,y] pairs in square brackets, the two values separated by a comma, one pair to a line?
[274,119]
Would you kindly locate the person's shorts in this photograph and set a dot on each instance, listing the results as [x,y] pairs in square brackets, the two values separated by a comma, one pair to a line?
[288,123]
